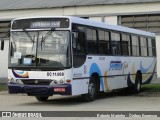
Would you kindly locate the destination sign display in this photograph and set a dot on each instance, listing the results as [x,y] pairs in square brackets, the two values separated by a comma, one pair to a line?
[45,24]
[41,23]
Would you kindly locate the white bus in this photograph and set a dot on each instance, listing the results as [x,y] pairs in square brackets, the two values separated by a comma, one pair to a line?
[74,56]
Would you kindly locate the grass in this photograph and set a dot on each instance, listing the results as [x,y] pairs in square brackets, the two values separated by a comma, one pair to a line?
[3,87]
[151,88]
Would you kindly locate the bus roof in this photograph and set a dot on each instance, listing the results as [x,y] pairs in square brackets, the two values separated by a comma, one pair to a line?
[94,23]
[110,27]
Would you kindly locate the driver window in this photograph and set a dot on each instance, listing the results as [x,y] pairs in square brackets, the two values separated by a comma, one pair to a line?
[78,36]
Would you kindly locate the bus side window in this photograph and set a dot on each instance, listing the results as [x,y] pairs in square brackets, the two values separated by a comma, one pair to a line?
[126,45]
[103,43]
[143,42]
[115,43]
[92,41]
[135,46]
[154,47]
[150,47]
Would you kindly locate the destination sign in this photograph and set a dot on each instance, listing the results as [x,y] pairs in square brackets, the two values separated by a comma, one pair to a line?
[40,23]
[45,24]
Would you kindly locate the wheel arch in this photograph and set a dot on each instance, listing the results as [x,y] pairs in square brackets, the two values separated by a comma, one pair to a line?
[97,77]
[139,75]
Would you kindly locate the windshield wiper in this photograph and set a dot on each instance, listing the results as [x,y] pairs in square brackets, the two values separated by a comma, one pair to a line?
[32,40]
[47,34]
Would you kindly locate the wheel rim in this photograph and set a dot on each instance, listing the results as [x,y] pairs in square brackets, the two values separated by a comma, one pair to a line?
[91,89]
[138,86]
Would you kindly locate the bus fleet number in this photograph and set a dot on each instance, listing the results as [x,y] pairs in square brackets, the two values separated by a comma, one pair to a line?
[55,74]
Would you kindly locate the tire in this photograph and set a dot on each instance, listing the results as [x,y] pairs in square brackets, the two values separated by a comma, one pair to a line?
[92,91]
[138,82]
[42,98]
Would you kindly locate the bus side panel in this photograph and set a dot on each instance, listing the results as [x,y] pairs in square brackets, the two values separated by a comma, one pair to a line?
[114,72]
[80,80]
[79,86]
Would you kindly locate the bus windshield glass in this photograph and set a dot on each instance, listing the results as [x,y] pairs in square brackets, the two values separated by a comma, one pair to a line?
[42,49]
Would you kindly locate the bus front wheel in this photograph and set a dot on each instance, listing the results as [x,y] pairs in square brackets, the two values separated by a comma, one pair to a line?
[92,91]
[42,98]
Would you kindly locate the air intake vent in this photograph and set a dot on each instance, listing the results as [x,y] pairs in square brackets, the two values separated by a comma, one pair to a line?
[36,82]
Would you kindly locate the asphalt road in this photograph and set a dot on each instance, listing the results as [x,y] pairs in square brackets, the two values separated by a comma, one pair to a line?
[114,101]
[105,102]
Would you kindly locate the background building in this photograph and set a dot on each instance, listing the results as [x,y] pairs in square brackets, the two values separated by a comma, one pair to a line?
[139,14]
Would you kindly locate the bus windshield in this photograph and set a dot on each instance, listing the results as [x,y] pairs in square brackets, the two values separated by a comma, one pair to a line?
[42,49]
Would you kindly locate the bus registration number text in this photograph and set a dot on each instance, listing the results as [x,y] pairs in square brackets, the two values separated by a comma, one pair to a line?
[55,73]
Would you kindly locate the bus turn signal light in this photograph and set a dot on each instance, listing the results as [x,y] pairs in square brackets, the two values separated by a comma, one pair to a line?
[68,81]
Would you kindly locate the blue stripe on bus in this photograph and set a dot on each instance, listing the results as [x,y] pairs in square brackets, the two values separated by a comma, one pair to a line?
[95,69]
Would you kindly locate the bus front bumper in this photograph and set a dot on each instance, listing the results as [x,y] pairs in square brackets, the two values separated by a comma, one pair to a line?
[34,90]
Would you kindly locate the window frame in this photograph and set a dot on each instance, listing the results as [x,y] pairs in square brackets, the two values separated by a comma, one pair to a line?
[130,47]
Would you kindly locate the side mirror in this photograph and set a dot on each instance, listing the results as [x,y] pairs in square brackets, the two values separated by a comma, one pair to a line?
[2,44]
[2,40]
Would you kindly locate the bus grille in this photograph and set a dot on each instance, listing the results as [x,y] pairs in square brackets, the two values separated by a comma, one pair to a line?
[36,81]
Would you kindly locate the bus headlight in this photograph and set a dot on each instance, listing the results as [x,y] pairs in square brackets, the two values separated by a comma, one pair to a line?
[12,80]
[55,81]
[61,81]
[19,81]
[9,79]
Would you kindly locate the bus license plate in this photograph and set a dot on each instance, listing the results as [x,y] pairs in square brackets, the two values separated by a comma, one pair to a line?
[59,90]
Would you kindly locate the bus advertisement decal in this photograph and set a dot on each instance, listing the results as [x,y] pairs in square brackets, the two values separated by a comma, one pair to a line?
[20,74]
[116,65]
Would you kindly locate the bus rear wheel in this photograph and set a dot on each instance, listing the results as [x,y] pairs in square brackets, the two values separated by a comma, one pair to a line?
[138,81]
[42,98]
[92,91]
